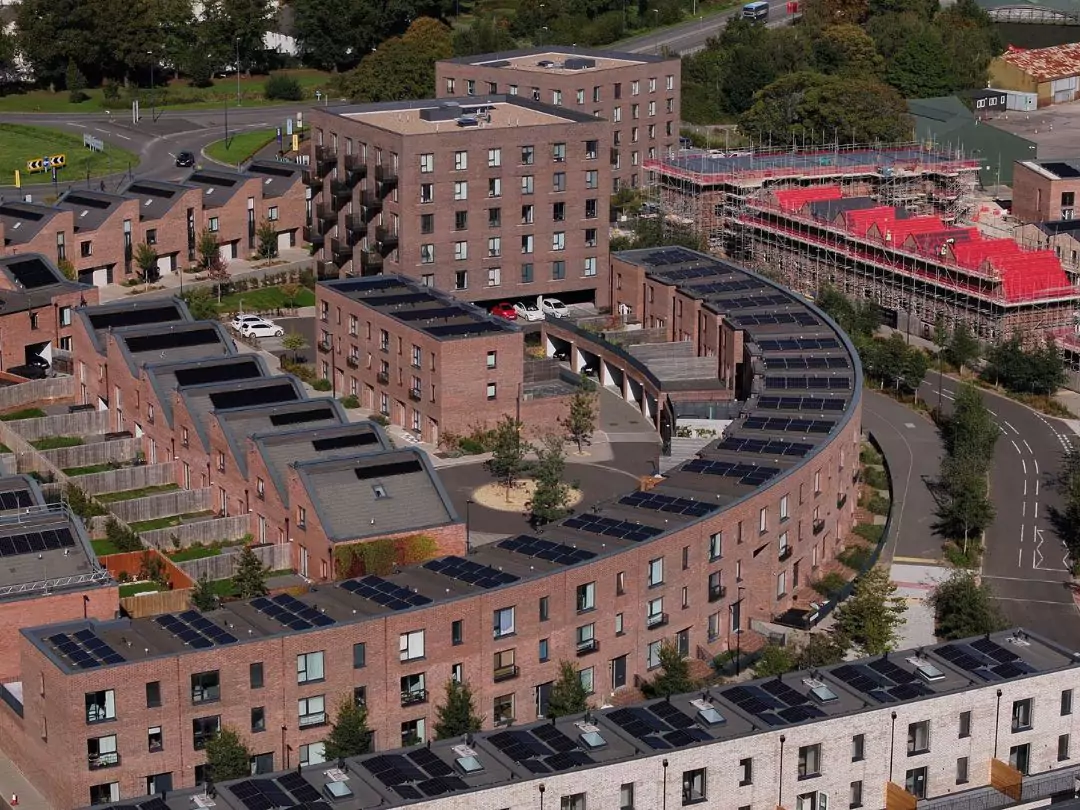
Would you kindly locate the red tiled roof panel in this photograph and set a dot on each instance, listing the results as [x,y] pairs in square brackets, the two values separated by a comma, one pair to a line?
[1046,64]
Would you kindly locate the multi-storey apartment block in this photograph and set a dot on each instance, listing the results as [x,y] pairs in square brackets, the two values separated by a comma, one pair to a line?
[637,94]
[488,197]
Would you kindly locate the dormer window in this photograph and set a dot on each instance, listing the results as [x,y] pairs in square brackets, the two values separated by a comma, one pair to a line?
[380,491]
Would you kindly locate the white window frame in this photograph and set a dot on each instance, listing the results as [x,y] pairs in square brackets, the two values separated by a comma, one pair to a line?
[310,667]
[411,645]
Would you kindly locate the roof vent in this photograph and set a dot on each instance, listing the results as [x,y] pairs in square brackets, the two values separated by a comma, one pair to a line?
[1019,638]
[468,121]
[579,64]
[546,63]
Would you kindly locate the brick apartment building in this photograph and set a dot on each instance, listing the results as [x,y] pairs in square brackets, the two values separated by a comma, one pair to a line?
[431,364]
[918,727]
[98,231]
[1045,190]
[637,94]
[489,197]
[36,309]
[263,448]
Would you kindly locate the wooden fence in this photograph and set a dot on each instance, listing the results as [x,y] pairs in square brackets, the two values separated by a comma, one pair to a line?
[80,423]
[180,502]
[154,603]
[126,478]
[87,455]
[36,391]
[222,566]
[200,531]
[9,464]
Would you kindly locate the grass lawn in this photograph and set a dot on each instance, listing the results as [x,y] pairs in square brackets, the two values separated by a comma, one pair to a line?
[90,469]
[132,494]
[25,413]
[20,143]
[56,442]
[240,147]
[138,587]
[165,522]
[264,299]
[104,547]
[193,553]
[176,95]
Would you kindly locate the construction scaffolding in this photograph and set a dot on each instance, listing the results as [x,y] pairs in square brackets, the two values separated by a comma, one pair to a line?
[884,224]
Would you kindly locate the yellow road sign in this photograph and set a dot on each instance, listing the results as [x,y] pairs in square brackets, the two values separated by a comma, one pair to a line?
[45,164]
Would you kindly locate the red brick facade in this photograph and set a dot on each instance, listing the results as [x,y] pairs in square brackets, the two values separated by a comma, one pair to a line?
[1039,195]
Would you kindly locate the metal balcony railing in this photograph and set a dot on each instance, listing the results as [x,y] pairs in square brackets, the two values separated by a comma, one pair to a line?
[819,526]
[412,697]
[717,592]
[383,378]
[587,647]
[785,553]
[654,620]
[506,673]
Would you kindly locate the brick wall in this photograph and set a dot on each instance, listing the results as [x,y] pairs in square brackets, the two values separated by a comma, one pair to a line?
[16,332]
[1038,198]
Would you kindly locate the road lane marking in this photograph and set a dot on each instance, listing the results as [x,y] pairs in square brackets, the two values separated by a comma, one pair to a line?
[1020,558]
[1036,487]
[1023,509]
[1036,465]
[1025,487]
[1014,430]
[1036,515]
[1026,579]
[1028,446]
[99,129]
[1032,601]
[1023,461]
[1014,444]
[125,137]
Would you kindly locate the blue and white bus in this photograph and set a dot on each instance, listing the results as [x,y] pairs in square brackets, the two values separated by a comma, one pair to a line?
[758,12]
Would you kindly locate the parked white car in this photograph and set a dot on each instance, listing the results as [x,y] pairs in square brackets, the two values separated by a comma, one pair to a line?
[552,306]
[239,321]
[261,330]
[528,312]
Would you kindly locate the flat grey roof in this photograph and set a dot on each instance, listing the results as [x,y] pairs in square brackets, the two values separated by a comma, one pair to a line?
[201,400]
[168,377]
[34,279]
[421,308]
[530,112]
[23,221]
[91,208]
[156,197]
[174,342]
[102,318]
[558,52]
[277,176]
[218,185]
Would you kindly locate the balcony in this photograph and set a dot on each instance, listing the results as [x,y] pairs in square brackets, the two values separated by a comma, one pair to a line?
[355,169]
[587,647]
[96,762]
[371,203]
[414,394]
[325,160]
[312,720]
[506,673]
[387,239]
[717,592]
[383,378]
[356,225]
[325,270]
[819,526]
[343,251]
[413,697]
[785,553]
[371,264]
[655,620]
[386,177]
[352,361]
[312,180]
[326,345]
[313,237]
[326,215]
[841,499]
[342,192]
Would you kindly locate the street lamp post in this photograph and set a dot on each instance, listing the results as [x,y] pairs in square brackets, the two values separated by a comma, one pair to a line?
[153,114]
[738,632]
[468,527]
[238,71]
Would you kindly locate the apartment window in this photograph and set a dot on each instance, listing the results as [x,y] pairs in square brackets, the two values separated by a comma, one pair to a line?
[589,269]
[587,677]
[461,251]
[1020,758]
[618,624]
[590,209]
[763,520]
[86,249]
[1021,715]
[205,687]
[586,636]
[502,709]
[626,796]
[670,82]
[592,179]
[544,614]
[461,161]
[1066,702]
[858,747]
[359,694]
[1063,747]
[558,212]
[693,786]
[528,214]
[411,645]
[596,95]
[620,583]
[213,226]
[309,667]
[558,181]
[746,771]
[491,390]
[965,725]
[590,237]
[428,279]
[503,622]
[592,149]
[558,152]
[652,108]
[153,694]
[494,158]
[492,359]
[915,782]
[528,155]
[781,584]
[574,802]
[527,184]
[494,187]
[151,236]
[457,632]
[311,711]
[558,240]
[494,247]
[656,572]
[783,508]
[918,737]
[461,190]
[855,799]
[155,740]
[586,596]
[461,220]
[654,612]
[809,761]
[427,254]
[203,729]
[427,192]
[527,273]
[616,117]
[543,652]
[258,719]
[110,792]
[635,111]
[427,163]
[527,243]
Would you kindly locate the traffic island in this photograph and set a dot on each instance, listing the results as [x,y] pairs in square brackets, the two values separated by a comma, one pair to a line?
[27,150]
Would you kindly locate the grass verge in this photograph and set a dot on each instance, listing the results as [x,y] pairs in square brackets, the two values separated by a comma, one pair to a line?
[56,442]
[165,522]
[264,299]
[132,494]
[239,148]
[103,547]
[20,143]
[25,413]
[138,587]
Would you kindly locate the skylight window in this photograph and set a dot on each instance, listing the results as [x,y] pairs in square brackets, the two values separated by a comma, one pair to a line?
[380,491]
[927,671]
[820,691]
[711,717]
[338,790]
[592,740]
[469,765]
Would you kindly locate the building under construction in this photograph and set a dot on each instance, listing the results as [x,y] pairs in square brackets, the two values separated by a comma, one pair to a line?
[885,225]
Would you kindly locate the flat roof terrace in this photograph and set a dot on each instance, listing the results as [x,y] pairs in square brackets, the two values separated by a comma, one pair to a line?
[559,61]
[462,115]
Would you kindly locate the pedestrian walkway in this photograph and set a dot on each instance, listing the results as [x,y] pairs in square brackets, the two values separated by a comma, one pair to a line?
[12,782]
[915,583]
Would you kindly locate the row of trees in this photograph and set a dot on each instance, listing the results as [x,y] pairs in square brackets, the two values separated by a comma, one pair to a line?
[1037,371]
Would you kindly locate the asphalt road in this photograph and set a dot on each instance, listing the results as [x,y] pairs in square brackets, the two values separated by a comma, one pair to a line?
[691,36]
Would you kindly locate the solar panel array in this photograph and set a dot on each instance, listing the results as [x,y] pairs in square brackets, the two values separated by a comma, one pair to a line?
[883,680]
[813,383]
[151,804]
[36,542]
[773,702]
[162,341]
[204,374]
[784,424]
[544,749]
[777,319]
[756,302]
[668,504]
[801,404]
[806,363]
[290,612]
[300,417]
[367,285]
[16,499]
[612,527]
[457,329]
[383,592]
[195,630]
[354,439]
[717,288]
[558,553]
[765,447]
[752,475]
[253,395]
[32,273]
[660,726]
[985,659]
[482,576]
[675,255]
[261,794]
[85,650]
[798,344]
[414,776]
[299,787]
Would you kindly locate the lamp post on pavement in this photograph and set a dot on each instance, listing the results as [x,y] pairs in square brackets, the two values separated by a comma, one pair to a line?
[238,71]
[153,115]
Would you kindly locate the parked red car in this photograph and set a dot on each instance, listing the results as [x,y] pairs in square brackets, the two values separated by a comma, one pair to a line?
[504,310]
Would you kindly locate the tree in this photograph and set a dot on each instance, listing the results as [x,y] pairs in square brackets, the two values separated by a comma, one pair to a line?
[970,430]
[202,595]
[207,248]
[658,232]
[76,83]
[871,617]
[401,67]
[580,422]
[250,576]
[775,660]
[507,462]
[349,734]
[964,607]
[858,319]
[67,269]
[294,342]
[568,695]
[201,304]
[331,34]
[674,676]
[227,757]
[457,716]
[965,507]
[267,236]
[146,259]
[921,67]
[849,49]
[551,494]
[488,34]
